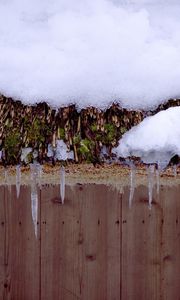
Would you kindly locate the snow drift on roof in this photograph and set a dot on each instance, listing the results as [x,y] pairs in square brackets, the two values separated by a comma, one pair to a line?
[155,139]
[90,52]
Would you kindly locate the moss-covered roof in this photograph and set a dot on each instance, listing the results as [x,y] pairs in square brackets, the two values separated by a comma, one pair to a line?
[85,132]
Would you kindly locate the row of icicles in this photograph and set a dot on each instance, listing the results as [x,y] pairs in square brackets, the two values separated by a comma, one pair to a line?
[153,176]
[36,175]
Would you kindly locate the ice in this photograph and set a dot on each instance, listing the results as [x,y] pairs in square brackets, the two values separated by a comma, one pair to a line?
[7,179]
[18,180]
[132,184]
[50,152]
[151,169]
[34,210]
[61,152]
[155,139]
[163,163]
[62,184]
[34,196]
[6,175]
[95,51]
[39,174]
[71,155]
[157,181]
[24,154]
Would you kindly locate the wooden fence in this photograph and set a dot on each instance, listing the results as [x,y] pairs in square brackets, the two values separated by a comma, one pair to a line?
[91,248]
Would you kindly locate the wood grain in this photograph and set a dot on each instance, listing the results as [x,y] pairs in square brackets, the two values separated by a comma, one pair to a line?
[91,248]
[20,265]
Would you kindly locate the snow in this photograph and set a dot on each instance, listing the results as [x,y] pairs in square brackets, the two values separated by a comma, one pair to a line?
[90,52]
[60,151]
[155,139]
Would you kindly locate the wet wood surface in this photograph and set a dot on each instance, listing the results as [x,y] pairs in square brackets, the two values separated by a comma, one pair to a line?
[91,248]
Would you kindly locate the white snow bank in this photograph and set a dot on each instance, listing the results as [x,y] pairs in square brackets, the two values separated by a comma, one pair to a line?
[155,139]
[90,51]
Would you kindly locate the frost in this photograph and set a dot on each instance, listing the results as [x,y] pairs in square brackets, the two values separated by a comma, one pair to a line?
[18,180]
[24,154]
[70,155]
[50,152]
[34,196]
[62,184]
[150,184]
[61,150]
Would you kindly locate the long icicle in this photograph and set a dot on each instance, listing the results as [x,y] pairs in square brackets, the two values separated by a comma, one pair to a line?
[34,196]
[18,180]
[62,184]
[150,184]
[132,184]
[157,181]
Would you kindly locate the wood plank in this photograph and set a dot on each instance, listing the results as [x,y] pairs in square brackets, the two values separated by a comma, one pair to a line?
[141,238]
[80,250]
[170,243]
[2,243]
[21,249]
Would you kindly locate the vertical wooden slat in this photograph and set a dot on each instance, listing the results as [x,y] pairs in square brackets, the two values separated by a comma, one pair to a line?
[21,249]
[80,244]
[2,242]
[170,243]
[141,238]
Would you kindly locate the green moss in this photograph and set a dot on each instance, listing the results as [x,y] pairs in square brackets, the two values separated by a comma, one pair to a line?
[94,127]
[77,139]
[12,147]
[37,132]
[123,129]
[61,133]
[86,149]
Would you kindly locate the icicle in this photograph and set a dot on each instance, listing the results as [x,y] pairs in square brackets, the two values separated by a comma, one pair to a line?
[175,170]
[34,196]
[150,184]
[62,184]
[132,184]
[6,179]
[39,171]
[6,176]
[34,210]
[18,180]
[157,181]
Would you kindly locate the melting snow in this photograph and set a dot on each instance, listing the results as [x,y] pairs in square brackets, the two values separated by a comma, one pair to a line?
[155,140]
